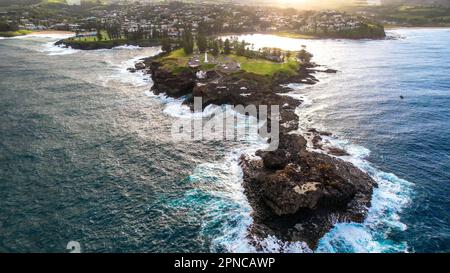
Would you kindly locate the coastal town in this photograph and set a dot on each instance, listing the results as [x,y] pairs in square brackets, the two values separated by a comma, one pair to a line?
[169,19]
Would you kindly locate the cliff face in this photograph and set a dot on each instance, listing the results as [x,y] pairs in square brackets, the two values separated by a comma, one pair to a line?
[174,85]
[296,194]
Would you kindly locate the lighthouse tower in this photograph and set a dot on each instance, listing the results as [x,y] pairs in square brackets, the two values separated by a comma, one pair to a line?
[206,57]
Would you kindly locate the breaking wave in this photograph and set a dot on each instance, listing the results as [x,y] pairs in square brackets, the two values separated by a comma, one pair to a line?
[389,199]
[127,47]
[51,49]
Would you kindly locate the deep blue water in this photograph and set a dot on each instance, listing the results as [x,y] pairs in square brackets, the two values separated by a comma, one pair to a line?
[408,137]
[85,150]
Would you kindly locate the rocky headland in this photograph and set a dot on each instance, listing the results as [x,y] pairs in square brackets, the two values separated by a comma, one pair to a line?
[104,44]
[302,189]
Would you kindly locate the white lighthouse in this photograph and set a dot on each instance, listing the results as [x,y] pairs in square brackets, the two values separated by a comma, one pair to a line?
[206,57]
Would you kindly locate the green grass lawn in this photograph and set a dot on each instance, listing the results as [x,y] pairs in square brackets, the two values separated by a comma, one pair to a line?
[178,54]
[265,67]
[105,37]
[293,35]
[14,33]
[177,61]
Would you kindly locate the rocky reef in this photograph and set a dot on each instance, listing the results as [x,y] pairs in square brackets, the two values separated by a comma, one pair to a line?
[299,191]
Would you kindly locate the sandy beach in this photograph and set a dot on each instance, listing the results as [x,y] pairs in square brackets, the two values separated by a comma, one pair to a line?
[62,32]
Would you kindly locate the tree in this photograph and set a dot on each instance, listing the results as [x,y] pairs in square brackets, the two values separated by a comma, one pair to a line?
[113,31]
[155,33]
[241,48]
[227,47]
[5,26]
[304,56]
[138,34]
[188,42]
[202,43]
[165,45]
[215,48]
[99,35]
[288,55]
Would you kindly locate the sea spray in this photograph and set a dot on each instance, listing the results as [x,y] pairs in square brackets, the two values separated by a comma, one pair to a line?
[54,50]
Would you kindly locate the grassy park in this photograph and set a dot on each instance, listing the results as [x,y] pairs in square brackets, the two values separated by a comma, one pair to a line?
[177,61]
[14,33]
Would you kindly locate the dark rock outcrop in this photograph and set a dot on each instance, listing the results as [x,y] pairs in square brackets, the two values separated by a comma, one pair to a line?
[332,71]
[139,66]
[296,194]
[175,85]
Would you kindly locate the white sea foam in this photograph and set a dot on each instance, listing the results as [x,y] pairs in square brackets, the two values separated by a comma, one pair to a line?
[295,95]
[355,151]
[52,36]
[176,108]
[149,93]
[127,47]
[297,89]
[228,204]
[119,60]
[137,79]
[235,235]
[389,199]
[222,180]
[51,49]
[122,75]
[218,185]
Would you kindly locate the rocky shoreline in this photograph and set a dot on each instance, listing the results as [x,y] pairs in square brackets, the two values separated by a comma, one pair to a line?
[297,194]
[106,44]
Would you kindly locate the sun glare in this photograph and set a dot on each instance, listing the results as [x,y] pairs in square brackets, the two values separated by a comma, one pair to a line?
[323,3]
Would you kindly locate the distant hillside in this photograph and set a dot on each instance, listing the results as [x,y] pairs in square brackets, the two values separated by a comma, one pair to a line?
[418,2]
[33,2]
[18,2]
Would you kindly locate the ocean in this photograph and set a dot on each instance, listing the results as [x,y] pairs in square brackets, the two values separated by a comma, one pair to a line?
[86,153]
